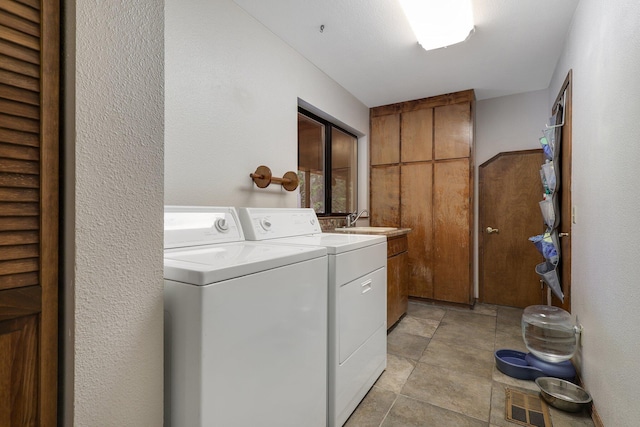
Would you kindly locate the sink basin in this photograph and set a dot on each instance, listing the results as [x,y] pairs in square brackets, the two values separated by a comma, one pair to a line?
[365,229]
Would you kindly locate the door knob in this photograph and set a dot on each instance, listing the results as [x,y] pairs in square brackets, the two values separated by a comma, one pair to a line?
[492,230]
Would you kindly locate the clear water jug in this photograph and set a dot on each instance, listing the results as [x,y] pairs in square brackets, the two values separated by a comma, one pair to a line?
[549,333]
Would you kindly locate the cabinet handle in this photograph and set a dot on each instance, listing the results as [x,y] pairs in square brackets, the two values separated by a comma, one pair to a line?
[563,234]
[492,230]
[366,286]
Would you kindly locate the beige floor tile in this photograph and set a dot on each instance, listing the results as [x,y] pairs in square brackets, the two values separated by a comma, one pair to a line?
[511,341]
[470,335]
[417,326]
[457,391]
[459,358]
[406,345]
[568,419]
[487,309]
[372,409]
[469,318]
[425,311]
[398,370]
[509,328]
[513,382]
[407,412]
[509,315]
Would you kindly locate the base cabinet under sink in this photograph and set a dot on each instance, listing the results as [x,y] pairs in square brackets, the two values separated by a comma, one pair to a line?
[397,278]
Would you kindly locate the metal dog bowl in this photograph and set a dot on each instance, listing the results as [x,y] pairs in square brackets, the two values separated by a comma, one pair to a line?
[563,394]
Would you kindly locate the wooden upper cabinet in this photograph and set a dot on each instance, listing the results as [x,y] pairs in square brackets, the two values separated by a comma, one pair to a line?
[452,131]
[417,135]
[385,139]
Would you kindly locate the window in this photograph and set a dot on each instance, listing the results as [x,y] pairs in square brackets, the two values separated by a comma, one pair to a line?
[327,166]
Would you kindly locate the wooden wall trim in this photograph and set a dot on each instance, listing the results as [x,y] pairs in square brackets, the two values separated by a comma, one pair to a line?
[49,185]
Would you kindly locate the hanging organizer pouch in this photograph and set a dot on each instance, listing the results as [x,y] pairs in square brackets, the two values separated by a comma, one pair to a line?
[548,175]
[546,148]
[548,272]
[548,245]
[550,208]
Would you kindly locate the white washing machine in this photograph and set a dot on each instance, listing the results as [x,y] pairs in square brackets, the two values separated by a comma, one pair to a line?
[357,298]
[245,326]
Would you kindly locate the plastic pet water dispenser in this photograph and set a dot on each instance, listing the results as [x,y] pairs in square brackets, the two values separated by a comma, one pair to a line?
[551,338]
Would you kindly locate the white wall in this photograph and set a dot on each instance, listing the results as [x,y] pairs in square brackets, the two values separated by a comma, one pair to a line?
[232,90]
[507,123]
[510,123]
[113,213]
[603,49]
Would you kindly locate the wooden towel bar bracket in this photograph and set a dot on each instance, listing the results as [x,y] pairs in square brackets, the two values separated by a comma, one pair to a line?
[262,177]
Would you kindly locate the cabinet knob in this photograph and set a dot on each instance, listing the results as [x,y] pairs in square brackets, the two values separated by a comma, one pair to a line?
[492,230]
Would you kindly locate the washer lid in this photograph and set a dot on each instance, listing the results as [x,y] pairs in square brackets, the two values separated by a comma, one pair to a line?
[203,265]
[334,242]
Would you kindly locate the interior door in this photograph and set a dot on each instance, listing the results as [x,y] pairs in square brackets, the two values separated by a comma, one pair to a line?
[510,189]
[29,105]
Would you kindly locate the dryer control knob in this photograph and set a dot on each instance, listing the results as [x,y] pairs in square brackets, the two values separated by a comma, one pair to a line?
[222,225]
[265,224]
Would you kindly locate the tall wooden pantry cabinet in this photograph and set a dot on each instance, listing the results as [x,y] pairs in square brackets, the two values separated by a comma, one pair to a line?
[421,172]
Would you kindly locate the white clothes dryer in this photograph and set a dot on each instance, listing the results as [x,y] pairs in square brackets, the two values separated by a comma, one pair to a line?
[245,326]
[357,298]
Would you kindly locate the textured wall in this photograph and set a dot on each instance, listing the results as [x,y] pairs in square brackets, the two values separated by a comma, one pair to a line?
[232,90]
[116,178]
[603,49]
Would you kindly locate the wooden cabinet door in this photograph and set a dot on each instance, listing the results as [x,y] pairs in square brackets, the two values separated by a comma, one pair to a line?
[385,139]
[397,274]
[452,131]
[385,196]
[19,349]
[393,290]
[452,266]
[29,103]
[417,135]
[416,208]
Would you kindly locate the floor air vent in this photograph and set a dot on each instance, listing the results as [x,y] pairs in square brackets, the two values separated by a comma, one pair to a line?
[526,409]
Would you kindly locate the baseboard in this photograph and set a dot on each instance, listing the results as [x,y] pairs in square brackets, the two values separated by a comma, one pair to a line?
[595,417]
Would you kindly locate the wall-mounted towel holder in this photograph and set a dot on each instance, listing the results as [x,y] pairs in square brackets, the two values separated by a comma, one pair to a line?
[262,177]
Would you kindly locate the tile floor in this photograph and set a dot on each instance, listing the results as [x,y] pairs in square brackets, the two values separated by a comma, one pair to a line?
[441,371]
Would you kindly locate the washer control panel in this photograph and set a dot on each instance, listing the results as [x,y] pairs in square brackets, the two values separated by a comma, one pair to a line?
[200,225]
[275,223]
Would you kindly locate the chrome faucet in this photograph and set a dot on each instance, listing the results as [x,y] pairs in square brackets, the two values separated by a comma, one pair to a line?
[352,218]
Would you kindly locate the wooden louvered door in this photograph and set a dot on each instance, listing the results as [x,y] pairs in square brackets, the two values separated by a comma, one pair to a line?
[29,94]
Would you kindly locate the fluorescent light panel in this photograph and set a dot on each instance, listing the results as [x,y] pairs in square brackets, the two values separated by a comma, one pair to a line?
[439,23]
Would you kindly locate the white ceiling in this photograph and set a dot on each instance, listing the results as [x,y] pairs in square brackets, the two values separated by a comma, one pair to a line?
[368,47]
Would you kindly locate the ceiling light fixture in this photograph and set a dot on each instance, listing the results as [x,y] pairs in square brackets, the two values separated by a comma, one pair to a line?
[439,23]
